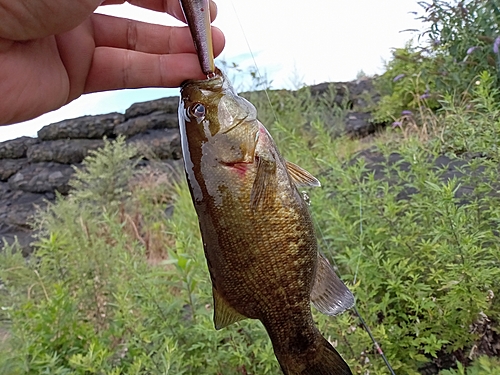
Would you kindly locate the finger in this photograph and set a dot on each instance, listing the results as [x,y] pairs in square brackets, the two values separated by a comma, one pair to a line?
[24,20]
[145,37]
[172,7]
[75,49]
[118,69]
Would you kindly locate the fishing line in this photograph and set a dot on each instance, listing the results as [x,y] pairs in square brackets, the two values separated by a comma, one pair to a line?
[254,61]
[375,343]
[322,237]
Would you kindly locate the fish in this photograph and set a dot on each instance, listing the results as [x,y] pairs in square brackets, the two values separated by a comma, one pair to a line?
[257,231]
[197,14]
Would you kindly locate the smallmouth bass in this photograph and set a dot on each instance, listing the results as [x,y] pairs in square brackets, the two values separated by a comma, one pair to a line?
[257,231]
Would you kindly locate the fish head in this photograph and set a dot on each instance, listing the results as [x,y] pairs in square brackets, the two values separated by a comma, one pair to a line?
[213,119]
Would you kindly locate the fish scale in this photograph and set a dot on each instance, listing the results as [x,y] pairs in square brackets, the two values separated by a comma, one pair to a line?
[257,231]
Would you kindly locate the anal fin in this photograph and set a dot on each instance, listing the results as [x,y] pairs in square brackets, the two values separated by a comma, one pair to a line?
[224,314]
[329,294]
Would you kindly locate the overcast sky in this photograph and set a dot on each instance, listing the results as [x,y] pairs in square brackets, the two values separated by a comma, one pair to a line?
[292,42]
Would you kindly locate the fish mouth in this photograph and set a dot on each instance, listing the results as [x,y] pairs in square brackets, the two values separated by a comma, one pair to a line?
[214,82]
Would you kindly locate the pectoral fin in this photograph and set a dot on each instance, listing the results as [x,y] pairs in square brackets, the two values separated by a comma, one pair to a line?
[224,314]
[330,295]
[301,177]
[265,184]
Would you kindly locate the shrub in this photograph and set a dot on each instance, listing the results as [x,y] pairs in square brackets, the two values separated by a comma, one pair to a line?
[407,84]
[461,41]
[482,366]
[464,36]
[116,286]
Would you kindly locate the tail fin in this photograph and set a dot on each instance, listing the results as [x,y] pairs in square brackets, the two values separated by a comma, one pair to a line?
[328,363]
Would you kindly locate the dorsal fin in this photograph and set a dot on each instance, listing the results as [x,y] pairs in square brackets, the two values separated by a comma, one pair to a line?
[329,294]
[224,314]
[301,177]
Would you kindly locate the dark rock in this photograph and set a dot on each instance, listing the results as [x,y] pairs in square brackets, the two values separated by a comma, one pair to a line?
[8,167]
[16,148]
[362,93]
[155,120]
[4,188]
[23,237]
[17,207]
[163,144]
[358,124]
[90,127]
[68,151]
[42,177]
[337,90]
[356,95]
[166,105]
[446,168]
[16,213]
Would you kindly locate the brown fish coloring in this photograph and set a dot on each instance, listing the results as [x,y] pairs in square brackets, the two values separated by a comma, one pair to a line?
[257,231]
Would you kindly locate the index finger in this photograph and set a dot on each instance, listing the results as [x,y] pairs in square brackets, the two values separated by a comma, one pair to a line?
[172,7]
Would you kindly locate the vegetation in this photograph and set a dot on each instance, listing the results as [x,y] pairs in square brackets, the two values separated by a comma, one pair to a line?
[118,285]
[461,42]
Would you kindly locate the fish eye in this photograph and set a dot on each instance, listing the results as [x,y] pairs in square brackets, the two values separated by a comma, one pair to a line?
[198,111]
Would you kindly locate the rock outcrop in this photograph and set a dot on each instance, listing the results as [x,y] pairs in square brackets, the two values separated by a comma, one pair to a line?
[359,98]
[32,170]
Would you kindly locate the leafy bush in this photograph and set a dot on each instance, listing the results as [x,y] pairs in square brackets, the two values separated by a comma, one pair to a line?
[482,366]
[407,85]
[465,36]
[471,125]
[461,41]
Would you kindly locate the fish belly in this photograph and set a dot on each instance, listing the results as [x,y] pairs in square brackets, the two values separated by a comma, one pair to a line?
[260,260]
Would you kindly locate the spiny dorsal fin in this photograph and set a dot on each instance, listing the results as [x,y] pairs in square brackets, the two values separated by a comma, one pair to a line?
[265,184]
[329,294]
[301,177]
[224,314]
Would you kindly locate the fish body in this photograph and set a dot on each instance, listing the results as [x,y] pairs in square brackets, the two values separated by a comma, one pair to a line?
[197,13]
[257,231]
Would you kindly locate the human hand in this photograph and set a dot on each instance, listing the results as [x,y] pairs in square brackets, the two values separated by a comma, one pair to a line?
[53,51]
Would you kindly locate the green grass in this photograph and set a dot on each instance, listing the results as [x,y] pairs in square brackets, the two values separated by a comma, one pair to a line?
[115,287]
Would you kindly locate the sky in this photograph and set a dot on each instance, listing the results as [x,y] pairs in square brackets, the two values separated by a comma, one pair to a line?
[291,43]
